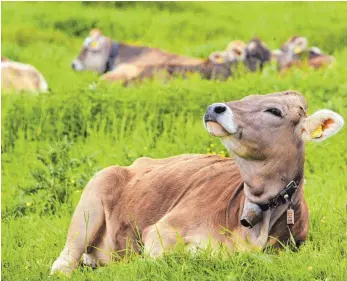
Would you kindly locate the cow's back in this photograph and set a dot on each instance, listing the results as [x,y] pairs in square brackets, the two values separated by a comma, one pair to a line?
[145,56]
[21,77]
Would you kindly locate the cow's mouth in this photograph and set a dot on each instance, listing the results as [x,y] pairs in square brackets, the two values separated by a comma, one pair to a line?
[215,129]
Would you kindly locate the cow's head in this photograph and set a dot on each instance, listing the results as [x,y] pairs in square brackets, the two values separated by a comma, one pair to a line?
[295,45]
[217,57]
[236,50]
[95,53]
[265,134]
[257,53]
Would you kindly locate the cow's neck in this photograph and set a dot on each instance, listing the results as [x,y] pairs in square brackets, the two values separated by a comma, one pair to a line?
[258,173]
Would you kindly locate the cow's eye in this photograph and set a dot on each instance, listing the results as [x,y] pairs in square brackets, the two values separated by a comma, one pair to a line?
[274,111]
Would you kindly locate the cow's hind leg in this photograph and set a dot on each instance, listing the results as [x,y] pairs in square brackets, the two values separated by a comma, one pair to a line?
[87,224]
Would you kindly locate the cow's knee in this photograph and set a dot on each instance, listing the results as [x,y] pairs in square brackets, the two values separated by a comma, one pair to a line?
[158,238]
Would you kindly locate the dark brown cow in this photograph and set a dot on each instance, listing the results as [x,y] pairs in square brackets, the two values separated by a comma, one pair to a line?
[257,54]
[191,198]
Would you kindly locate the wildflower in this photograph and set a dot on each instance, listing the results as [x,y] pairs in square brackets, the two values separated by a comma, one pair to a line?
[310,268]
[28,204]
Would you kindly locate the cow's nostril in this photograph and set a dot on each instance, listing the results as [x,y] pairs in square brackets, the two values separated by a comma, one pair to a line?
[220,109]
[73,65]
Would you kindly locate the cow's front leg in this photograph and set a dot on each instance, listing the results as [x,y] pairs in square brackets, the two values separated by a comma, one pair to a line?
[159,238]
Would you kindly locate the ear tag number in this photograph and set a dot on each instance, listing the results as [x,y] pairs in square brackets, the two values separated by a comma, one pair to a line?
[290,216]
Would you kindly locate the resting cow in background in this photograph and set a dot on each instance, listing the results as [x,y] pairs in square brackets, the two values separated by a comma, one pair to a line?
[101,54]
[257,54]
[295,52]
[258,195]
[253,55]
[219,65]
[16,76]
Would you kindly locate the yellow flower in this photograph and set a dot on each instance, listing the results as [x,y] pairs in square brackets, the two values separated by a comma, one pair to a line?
[28,204]
[310,268]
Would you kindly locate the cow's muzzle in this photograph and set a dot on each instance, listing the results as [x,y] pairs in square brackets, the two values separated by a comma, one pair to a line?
[252,214]
[77,65]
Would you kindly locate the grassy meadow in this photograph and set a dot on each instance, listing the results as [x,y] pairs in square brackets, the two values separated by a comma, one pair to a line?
[53,143]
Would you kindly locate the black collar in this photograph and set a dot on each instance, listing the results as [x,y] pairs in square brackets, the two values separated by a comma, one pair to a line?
[284,196]
[110,64]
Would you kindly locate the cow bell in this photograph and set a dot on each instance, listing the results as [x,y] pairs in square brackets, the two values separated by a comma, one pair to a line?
[252,214]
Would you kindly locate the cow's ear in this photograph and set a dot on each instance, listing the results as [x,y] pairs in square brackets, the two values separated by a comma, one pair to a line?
[321,125]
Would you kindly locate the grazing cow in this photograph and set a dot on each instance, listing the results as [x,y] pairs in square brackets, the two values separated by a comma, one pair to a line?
[16,76]
[101,54]
[258,195]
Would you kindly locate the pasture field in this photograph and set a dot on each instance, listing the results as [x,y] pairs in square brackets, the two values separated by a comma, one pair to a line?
[53,143]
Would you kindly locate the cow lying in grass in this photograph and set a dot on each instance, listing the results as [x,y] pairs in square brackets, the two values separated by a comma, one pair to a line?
[16,76]
[258,195]
[296,53]
[124,62]
[220,65]
[101,54]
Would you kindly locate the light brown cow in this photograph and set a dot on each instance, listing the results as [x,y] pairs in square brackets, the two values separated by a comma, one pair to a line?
[193,197]
[16,76]
[295,53]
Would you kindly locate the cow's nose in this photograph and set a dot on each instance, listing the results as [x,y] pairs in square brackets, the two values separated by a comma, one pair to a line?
[73,65]
[217,108]
[220,109]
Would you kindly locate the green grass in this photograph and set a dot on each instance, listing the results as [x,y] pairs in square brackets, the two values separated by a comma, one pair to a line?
[53,143]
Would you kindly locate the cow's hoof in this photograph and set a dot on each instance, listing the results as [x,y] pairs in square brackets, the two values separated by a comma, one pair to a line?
[61,266]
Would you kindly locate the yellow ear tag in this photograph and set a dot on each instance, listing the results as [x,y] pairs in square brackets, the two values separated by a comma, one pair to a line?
[219,60]
[94,44]
[317,133]
[297,50]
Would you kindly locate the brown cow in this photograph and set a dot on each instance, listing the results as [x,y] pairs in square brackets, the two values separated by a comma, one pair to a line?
[295,52]
[217,66]
[191,198]
[101,54]
[16,76]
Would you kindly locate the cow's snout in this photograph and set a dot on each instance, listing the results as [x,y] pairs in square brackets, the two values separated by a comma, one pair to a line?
[77,65]
[214,110]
